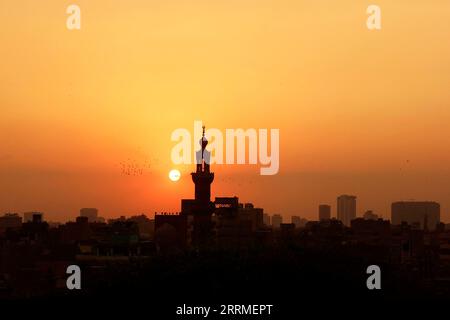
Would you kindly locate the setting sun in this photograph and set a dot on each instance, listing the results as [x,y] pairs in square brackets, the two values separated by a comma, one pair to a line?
[174,175]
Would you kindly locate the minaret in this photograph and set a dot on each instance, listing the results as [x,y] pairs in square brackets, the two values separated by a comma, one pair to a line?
[203,178]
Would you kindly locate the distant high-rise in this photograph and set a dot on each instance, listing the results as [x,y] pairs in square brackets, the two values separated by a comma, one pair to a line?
[90,213]
[37,218]
[28,216]
[266,219]
[425,214]
[10,221]
[248,212]
[277,220]
[324,212]
[346,209]
[297,221]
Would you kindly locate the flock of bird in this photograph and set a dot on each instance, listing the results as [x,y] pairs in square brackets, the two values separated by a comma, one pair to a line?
[133,167]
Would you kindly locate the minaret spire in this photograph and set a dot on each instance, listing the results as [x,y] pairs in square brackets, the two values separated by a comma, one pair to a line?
[202,208]
[204,142]
[203,177]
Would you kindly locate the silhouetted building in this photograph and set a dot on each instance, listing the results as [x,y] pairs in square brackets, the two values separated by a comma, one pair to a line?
[266,219]
[37,229]
[234,230]
[37,218]
[369,215]
[237,226]
[331,228]
[277,220]
[227,203]
[10,221]
[249,213]
[425,215]
[146,226]
[287,231]
[90,213]
[378,227]
[296,220]
[28,216]
[72,232]
[171,231]
[346,209]
[201,208]
[196,214]
[202,177]
[324,212]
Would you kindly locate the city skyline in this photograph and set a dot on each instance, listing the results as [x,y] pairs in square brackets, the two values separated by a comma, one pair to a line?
[226,158]
[87,114]
[321,214]
[213,231]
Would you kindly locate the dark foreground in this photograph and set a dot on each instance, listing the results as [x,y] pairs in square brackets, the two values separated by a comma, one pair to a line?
[292,279]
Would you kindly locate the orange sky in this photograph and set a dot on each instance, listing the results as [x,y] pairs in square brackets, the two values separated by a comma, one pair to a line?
[360,112]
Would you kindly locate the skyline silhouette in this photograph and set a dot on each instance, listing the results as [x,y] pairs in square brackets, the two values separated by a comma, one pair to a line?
[194,159]
[227,247]
[87,114]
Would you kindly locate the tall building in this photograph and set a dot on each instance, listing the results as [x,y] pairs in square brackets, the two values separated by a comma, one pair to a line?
[425,214]
[90,213]
[202,207]
[10,221]
[33,216]
[346,209]
[145,225]
[194,225]
[297,221]
[249,213]
[236,222]
[277,220]
[28,216]
[202,177]
[324,212]
[266,219]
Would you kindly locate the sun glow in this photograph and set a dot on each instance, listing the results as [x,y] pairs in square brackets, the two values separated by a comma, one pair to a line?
[174,175]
